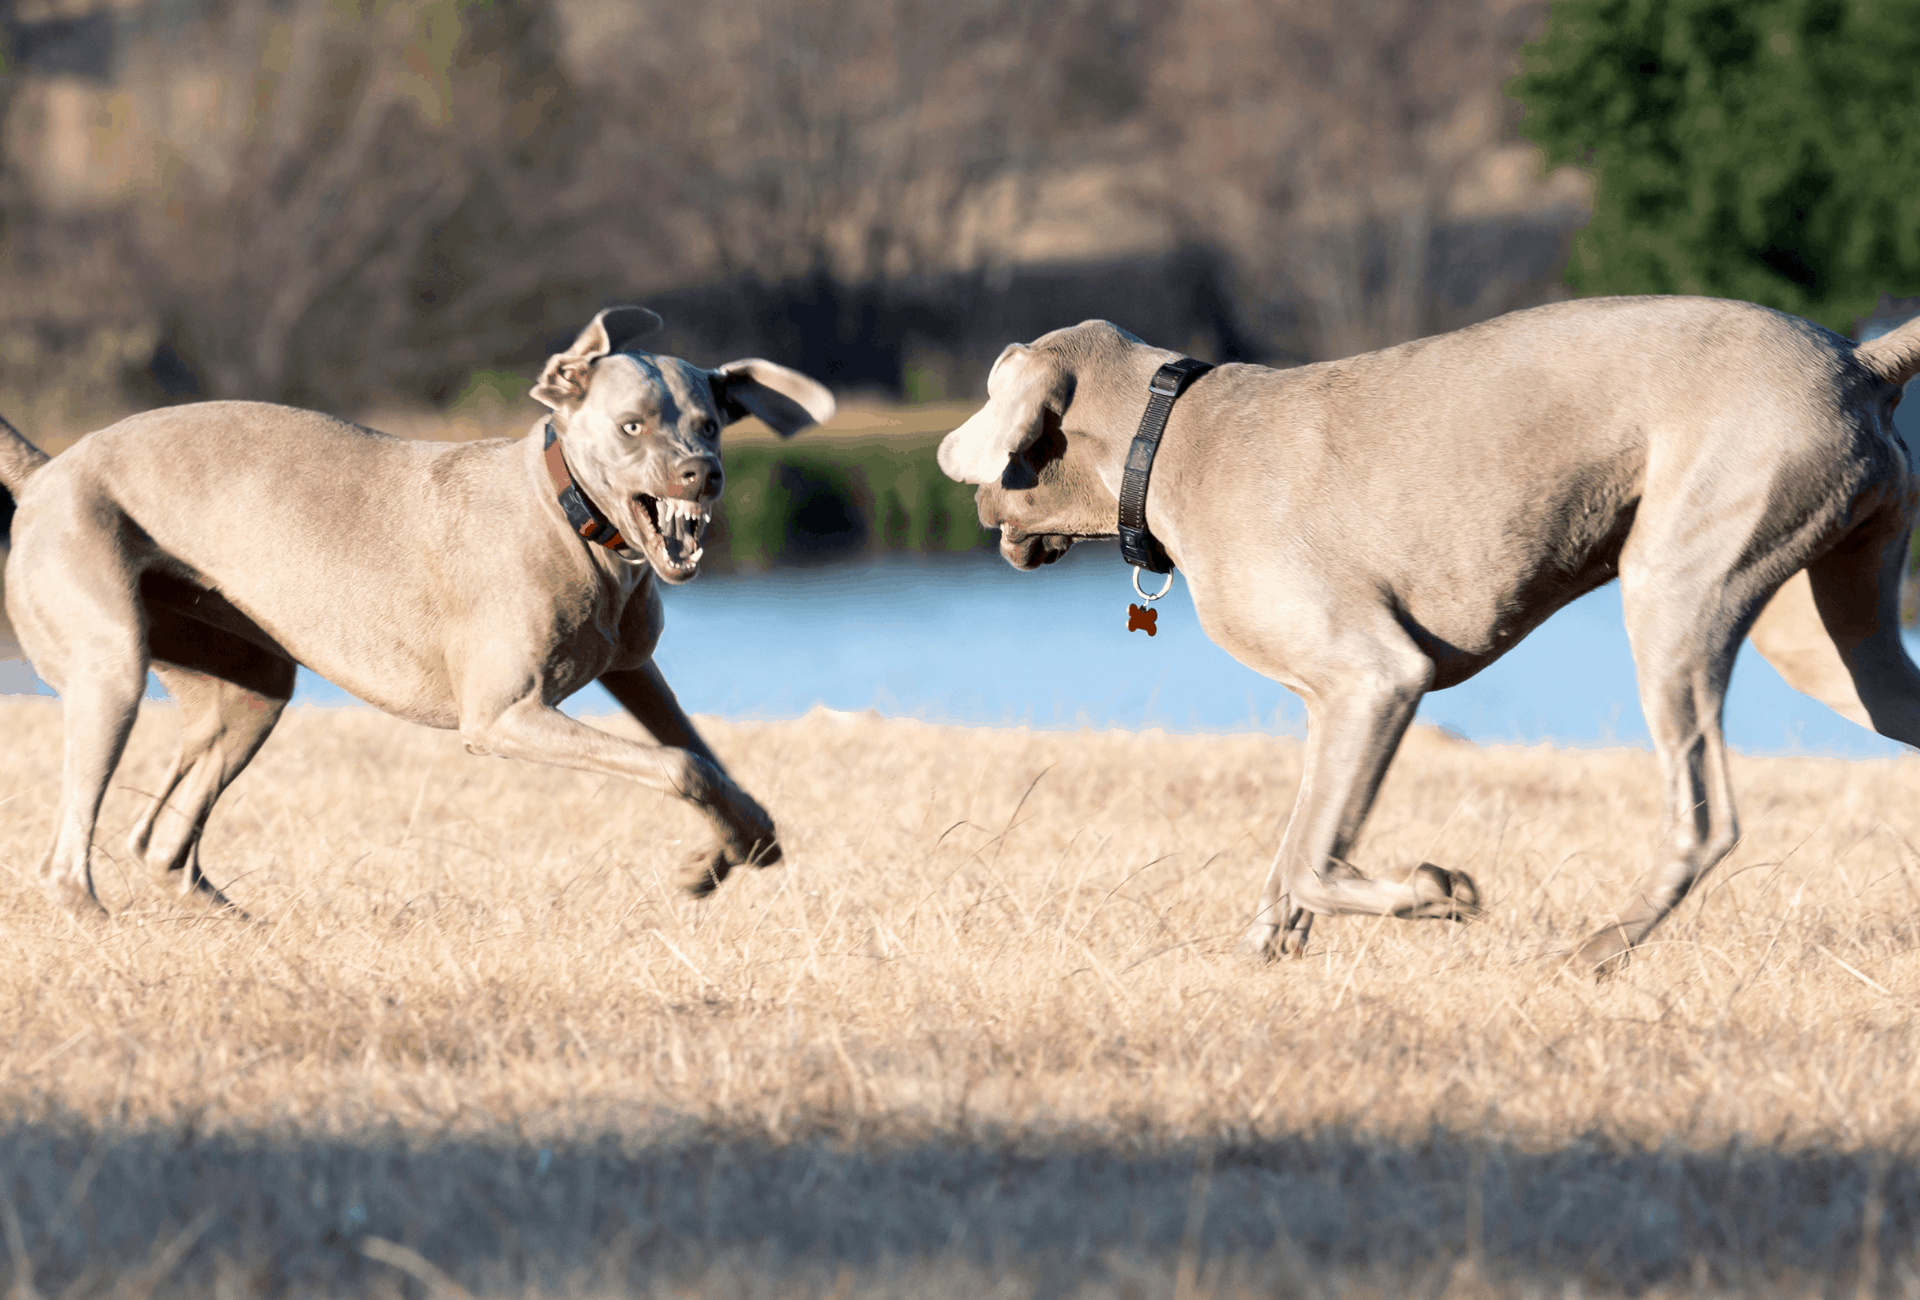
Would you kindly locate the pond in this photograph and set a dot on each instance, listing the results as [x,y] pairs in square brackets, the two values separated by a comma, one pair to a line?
[968,640]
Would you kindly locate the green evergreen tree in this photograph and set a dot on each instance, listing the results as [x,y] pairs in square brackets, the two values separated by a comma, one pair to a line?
[1759,149]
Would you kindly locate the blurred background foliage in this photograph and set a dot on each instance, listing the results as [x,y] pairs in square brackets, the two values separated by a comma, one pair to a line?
[804,503]
[354,204]
[394,209]
[1759,149]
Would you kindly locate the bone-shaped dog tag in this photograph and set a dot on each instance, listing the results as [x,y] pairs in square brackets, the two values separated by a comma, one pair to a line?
[1141,617]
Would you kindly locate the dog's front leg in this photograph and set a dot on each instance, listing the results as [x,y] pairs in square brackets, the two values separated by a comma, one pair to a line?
[1360,706]
[529,729]
[644,693]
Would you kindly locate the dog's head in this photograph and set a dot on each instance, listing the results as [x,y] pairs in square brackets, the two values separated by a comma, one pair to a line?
[1043,448]
[641,432]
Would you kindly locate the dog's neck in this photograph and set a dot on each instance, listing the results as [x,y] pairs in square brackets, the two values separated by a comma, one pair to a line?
[583,516]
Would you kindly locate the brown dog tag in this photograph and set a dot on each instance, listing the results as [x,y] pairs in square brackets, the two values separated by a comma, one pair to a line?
[1141,619]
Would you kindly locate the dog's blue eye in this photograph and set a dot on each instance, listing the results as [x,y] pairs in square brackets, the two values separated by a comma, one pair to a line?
[631,426]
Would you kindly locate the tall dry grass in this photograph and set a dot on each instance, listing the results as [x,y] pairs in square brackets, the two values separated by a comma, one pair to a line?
[982,1033]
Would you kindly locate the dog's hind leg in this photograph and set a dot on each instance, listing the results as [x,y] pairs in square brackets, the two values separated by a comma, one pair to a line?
[230,694]
[97,660]
[1685,618]
[1833,630]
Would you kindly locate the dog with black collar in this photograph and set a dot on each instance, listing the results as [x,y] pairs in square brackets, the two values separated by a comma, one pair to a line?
[1366,530]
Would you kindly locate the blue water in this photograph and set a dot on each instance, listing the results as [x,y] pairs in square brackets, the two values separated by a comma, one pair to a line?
[969,640]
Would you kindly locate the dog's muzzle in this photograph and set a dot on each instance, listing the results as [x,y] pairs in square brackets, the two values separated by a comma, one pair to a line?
[1031,550]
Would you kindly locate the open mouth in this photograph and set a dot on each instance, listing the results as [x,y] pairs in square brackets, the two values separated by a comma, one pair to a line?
[670,534]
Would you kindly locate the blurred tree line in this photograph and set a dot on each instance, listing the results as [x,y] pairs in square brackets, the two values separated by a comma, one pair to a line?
[1759,149]
[341,203]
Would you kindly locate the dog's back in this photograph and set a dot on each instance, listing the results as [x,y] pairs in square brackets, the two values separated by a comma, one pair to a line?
[229,498]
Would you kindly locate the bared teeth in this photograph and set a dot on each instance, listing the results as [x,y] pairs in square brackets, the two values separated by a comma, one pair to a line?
[681,525]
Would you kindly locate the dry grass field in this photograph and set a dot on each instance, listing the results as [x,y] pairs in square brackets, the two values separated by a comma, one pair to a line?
[981,1034]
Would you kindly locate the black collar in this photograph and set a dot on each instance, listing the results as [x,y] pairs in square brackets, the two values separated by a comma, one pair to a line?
[1138,546]
[586,518]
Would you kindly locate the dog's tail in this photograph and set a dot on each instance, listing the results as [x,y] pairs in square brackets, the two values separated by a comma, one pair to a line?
[18,458]
[1894,356]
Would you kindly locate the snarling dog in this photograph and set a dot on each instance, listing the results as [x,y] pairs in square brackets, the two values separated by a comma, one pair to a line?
[1367,530]
[470,586]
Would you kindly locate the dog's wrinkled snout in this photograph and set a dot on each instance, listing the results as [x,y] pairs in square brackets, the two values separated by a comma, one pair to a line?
[695,478]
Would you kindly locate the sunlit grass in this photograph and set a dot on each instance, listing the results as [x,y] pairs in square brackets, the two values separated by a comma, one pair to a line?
[982,1029]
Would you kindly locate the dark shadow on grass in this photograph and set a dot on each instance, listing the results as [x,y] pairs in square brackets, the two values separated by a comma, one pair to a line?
[1044,1215]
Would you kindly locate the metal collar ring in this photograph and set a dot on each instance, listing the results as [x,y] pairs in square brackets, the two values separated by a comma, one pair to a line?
[1156,595]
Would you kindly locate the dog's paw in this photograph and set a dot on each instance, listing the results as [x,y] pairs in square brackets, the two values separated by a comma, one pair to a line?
[704,869]
[1605,955]
[747,836]
[755,849]
[1444,895]
[765,854]
[201,896]
[76,901]
[1259,949]
[1265,944]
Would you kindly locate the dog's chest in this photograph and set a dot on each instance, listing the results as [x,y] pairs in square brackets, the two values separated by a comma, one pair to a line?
[604,626]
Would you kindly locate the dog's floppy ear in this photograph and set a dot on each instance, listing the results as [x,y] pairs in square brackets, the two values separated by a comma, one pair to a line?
[564,380]
[1022,386]
[786,399]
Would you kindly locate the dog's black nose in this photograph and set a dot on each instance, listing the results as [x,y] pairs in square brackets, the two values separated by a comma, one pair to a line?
[695,478]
